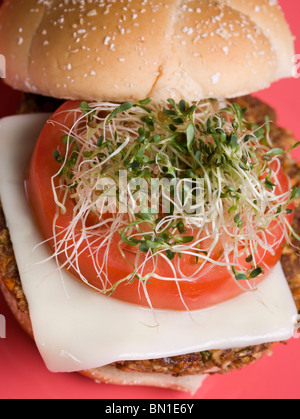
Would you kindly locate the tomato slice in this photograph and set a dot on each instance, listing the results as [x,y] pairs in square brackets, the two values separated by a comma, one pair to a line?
[215,284]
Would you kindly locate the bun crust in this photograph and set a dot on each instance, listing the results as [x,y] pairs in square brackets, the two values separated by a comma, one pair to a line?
[108,50]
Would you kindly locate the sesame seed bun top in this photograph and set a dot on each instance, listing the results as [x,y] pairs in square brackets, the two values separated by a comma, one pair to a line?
[133,49]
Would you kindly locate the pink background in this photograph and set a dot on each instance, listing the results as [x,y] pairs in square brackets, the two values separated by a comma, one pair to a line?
[23,374]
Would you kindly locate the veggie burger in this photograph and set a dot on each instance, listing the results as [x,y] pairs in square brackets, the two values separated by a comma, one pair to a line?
[155,241]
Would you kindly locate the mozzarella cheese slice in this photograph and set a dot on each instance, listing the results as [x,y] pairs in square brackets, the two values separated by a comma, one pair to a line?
[75,328]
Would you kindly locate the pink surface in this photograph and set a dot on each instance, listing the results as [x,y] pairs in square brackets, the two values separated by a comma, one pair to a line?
[23,374]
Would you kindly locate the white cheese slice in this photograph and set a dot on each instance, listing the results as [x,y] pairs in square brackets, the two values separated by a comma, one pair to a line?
[75,328]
